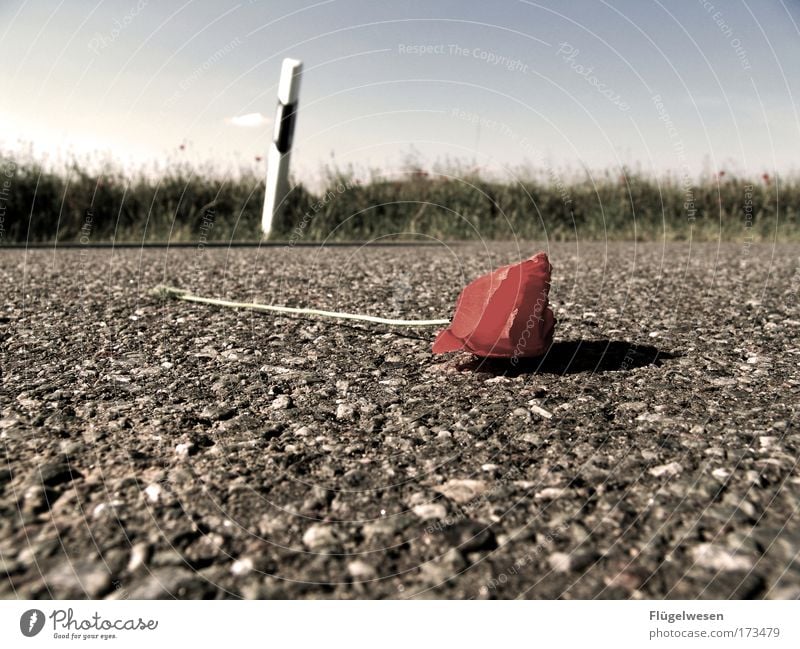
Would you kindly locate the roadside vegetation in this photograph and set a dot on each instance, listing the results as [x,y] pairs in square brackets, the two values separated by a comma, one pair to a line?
[74,204]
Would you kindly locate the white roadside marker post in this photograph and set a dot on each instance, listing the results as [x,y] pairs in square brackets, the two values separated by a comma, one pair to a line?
[278,157]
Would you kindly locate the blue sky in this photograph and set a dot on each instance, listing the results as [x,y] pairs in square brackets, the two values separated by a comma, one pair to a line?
[688,86]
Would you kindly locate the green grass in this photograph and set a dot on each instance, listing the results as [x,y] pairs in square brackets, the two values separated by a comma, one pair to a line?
[38,204]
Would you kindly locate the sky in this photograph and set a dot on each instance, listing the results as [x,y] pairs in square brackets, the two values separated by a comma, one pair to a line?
[684,87]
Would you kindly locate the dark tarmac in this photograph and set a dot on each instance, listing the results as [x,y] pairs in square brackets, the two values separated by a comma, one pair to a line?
[163,449]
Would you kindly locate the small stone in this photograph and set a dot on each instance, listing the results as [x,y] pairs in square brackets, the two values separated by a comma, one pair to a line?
[717,557]
[442,569]
[242,567]
[632,406]
[185,449]
[551,493]
[560,562]
[218,413]
[532,438]
[345,412]
[38,499]
[360,570]
[538,410]
[139,554]
[168,557]
[169,583]
[379,531]
[666,470]
[152,492]
[71,448]
[430,511]
[462,491]
[766,442]
[320,538]
[497,379]
[281,402]
[78,579]
[53,474]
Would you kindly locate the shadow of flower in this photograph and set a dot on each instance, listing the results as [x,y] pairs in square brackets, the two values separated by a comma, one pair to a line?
[573,357]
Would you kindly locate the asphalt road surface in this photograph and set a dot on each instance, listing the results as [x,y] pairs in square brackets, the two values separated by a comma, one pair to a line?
[157,448]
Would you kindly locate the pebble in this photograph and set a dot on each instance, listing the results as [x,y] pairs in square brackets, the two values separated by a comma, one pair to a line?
[78,579]
[242,567]
[462,491]
[717,557]
[345,412]
[538,410]
[552,493]
[281,402]
[380,530]
[55,473]
[152,492]
[218,413]
[185,449]
[440,570]
[497,379]
[666,470]
[430,511]
[38,499]
[167,583]
[766,442]
[320,538]
[559,562]
[139,554]
[360,570]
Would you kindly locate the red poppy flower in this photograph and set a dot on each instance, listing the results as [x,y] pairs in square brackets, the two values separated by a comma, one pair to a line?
[504,314]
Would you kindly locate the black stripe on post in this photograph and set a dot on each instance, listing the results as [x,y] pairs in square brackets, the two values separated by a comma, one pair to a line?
[285,119]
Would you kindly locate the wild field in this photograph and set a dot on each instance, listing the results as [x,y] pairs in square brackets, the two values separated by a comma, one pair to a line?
[181,203]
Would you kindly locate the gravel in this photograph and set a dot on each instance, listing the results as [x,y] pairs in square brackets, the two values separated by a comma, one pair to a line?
[163,449]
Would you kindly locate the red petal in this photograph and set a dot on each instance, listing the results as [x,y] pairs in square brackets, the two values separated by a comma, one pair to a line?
[503,314]
[446,342]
